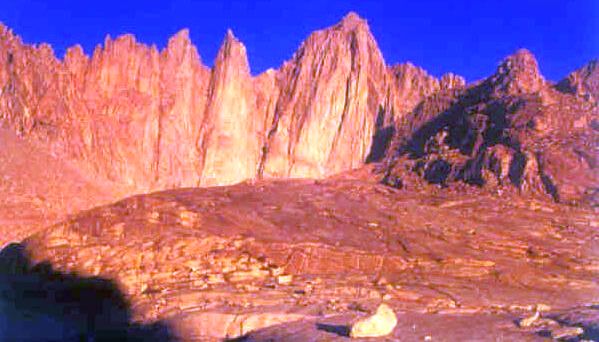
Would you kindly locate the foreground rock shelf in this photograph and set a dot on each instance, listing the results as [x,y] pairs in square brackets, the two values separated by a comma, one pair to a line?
[227,261]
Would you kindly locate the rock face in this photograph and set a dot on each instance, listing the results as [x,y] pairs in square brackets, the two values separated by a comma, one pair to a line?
[161,119]
[331,92]
[230,136]
[118,113]
[513,130]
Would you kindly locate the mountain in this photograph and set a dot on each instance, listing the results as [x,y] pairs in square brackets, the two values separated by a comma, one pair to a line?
[154,119]
[476,239]
[511,131]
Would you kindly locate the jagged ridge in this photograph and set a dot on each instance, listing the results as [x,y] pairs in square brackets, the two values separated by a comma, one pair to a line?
[159,119]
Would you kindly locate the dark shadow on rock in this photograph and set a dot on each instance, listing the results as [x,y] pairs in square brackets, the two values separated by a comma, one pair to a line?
[382,137]
[590,325]
[341,330]
[454,119]
[516,171]
[473,122]
[40,304]
[548,183]
[472,172]
[415,146]
[437,171]
[544,333]
[244,338]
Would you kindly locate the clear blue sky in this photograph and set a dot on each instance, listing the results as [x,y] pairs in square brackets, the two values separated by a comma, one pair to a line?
[465,37]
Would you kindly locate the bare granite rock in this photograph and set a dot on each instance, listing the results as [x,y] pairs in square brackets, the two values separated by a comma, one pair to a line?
[380,324]
[154,119]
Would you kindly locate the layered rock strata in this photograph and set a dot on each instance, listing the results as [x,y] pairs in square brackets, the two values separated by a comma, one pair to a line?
[224,261]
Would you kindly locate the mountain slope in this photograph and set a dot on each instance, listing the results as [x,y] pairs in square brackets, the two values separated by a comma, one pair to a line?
[39,189]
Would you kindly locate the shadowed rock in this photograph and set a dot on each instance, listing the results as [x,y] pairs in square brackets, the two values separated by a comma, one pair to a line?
[38,303]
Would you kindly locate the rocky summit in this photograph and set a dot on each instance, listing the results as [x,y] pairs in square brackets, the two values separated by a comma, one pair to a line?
[146,196]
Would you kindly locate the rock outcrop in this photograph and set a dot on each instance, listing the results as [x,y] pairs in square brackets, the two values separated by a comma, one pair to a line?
[380,324]
[155,119]
[510,131]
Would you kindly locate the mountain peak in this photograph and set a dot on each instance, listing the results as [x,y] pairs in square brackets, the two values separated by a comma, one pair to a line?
[353,21]
[6,32]
[519,73]
[180,38]
[179,41]
[232,51]
[522,54]
[230,42]
[229,36]
[584,81]
[180,47]
[74,55]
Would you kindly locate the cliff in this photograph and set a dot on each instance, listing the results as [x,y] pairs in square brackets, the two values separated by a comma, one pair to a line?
[155,119]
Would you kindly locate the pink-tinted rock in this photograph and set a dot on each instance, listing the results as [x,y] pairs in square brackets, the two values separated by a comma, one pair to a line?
[583,82]
[512,129]
[332,90]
